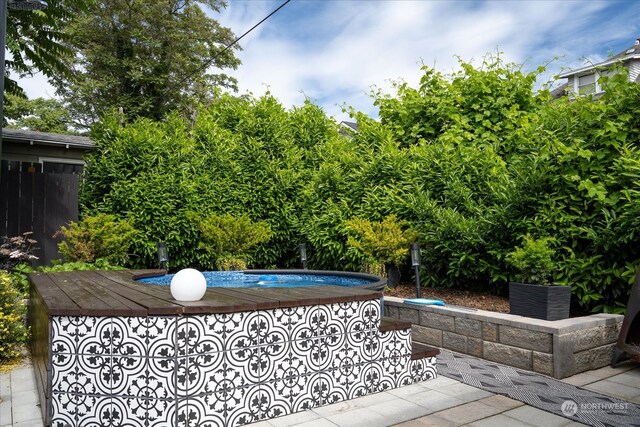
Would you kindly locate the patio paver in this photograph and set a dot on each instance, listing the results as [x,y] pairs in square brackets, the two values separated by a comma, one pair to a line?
[440,402]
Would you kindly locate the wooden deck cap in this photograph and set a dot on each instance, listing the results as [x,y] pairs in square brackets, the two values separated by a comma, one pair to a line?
[393,324]
[116,293]
[420,351]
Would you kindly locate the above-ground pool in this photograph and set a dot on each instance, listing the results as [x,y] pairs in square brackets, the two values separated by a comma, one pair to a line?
[280,279]
[109,350]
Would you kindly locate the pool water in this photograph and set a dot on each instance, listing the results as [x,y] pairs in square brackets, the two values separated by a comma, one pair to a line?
[238,279]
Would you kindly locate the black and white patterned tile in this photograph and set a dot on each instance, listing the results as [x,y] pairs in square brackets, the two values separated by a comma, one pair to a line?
[376,379]
[149,411]
[269,402]
[108,412]
[423,369]
[331,389]
[395,343]
[69,407]
[225,369]
[248,362]
[196,411]
[72,379]
[290,322]
[152,336]
[164,371]
[291,366]
[73,331]
[225,324]
[324,350]
[127,375]
[326,320]
[368,314]
[348,364]
[124,340]
[343,312]
[195,373]
[370,343]
[295,393]
[251,409]
[160,335]
[250,329]
[195,337]
[225,382]
[397,370]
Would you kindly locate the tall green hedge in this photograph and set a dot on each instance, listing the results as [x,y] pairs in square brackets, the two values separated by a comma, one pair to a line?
[473,161]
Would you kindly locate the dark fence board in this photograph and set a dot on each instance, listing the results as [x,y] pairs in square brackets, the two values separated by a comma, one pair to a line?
[25,204]
[13,199]
[4,197]
[61,207]
[38,216]
[39,202]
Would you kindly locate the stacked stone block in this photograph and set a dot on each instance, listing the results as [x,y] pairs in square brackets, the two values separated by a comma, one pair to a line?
[559,349]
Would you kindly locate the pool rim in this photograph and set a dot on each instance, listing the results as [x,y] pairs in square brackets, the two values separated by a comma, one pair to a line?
[378,283]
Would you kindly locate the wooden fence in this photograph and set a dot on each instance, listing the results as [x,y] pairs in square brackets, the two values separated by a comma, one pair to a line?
[37,201]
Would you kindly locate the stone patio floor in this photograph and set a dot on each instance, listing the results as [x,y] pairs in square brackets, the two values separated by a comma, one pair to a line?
[439,402]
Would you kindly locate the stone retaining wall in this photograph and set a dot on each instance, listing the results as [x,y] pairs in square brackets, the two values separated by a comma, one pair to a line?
[559,349]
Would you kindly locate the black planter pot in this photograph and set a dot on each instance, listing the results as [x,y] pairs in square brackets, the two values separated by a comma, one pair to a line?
[540,302]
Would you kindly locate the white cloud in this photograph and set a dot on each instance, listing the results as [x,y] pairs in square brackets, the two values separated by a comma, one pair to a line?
[333,51]
[350,45]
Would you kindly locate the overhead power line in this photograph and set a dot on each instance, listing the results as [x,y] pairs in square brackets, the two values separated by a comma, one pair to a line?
[229,46]
[247,32]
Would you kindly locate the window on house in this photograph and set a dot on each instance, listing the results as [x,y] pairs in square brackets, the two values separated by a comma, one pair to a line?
[587,84]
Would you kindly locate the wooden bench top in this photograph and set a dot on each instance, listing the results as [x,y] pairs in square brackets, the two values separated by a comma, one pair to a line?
[116,293]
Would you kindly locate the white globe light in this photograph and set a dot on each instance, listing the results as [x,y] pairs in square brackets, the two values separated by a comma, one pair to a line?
[188,285]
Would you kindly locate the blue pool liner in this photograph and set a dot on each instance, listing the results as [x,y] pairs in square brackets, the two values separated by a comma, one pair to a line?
[238,279]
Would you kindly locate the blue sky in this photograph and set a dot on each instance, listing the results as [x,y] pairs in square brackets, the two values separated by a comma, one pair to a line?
[334,51]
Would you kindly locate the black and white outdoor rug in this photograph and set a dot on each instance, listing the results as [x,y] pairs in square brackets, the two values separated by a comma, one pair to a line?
[539,391]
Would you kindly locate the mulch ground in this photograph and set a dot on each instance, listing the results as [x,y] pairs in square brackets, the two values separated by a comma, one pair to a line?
[454,297]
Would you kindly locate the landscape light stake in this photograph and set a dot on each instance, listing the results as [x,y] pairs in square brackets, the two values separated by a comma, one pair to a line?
[163,256]
[303,255]
[415,262]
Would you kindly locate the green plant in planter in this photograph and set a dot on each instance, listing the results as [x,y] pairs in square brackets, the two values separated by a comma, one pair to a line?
[384,242]
[229,239]
[534,263]
[533,260]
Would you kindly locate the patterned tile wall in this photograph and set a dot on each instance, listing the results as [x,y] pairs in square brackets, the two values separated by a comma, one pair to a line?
[223,369]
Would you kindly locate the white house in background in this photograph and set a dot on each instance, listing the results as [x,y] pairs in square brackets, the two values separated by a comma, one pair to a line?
[347,129]
[585,80]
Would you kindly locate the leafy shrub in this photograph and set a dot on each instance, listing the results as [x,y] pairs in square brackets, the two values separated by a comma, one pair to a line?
[533,260]
[383,242]
[13,332]
[100,236]
[231,264]
[20,279]
[241,156]
[98,264]
[229,239]
[16,250]
[470,160]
